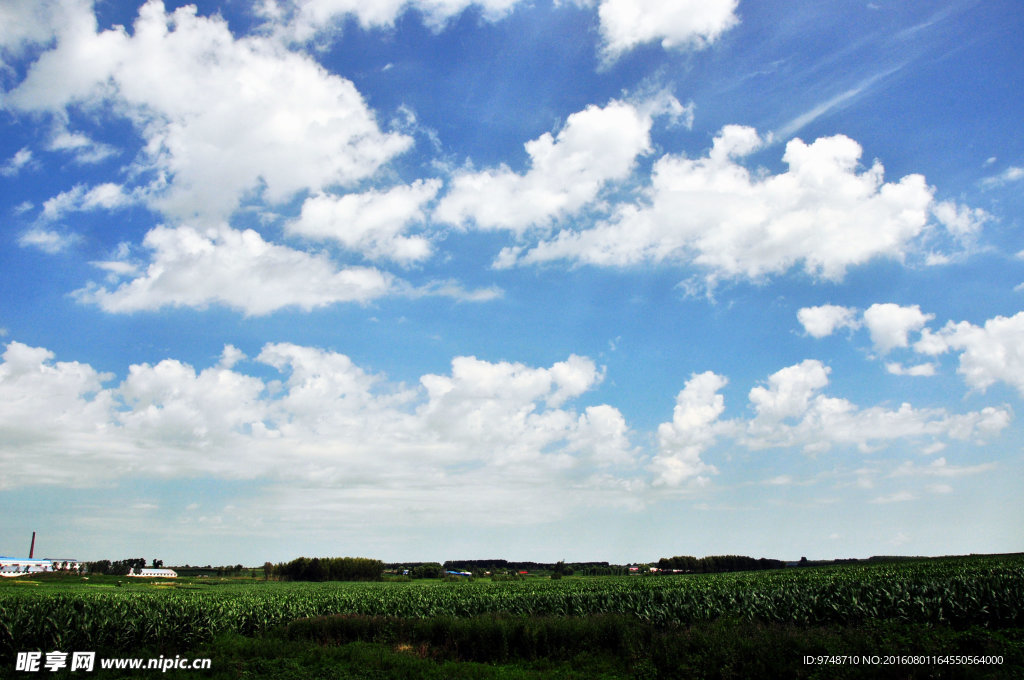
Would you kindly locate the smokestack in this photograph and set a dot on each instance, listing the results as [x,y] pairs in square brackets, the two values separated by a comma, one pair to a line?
[32,550]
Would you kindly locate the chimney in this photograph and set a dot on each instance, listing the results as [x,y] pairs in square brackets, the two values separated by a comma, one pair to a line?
[32,550]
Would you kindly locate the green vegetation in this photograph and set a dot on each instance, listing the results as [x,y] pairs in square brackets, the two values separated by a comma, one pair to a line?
[716,564]
[329,569]
[637,626]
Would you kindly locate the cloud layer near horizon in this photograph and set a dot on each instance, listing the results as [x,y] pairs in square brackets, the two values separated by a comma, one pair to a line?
[327,422]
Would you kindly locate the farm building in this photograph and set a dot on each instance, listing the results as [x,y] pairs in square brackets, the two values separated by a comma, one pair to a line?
[153,573]
[16,566]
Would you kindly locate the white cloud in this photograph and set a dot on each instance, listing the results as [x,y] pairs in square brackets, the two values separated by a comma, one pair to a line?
[302,20]
[789,391]
[823,320]
[940,468]
[85,149]
[49,411]
[218,265]
[455,290]
[15,163]
[372,222]
[107,196]
[920,370]
[501,433]
[594,147]
[221,118]
[193,267]
[172,406]
[694,427]
[792,412]
[840,100]
[962,222]
[988,354]
[714,213]
[897,497]
[35,22]
[625,24]
[47,240]
[230,356]
[691,24]
[602,432]
[890,324]
[1011,174]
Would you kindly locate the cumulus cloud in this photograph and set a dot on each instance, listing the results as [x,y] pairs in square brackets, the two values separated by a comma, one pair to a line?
[791,411]
[218,265]
[624,24]
[824,212]
[327,423]
[49,410]
[962,222]
[107,196]
[302,20]
[500,432]
[988,354]
[372,222]
[694,427]
[36,22]
[288,125]
[692,24]
[192,267]
[890,324]
[824,320]
[172,405]
[789,391]
[566,172]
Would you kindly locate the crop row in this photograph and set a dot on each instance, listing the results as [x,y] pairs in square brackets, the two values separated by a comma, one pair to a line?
[957,593]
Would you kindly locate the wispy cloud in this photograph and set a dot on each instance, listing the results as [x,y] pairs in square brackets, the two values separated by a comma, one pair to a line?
[1011,174]
[838,101]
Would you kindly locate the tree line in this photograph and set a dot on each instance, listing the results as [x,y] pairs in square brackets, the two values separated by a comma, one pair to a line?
[116,567]
[714,564]
[326,569]
[496,565]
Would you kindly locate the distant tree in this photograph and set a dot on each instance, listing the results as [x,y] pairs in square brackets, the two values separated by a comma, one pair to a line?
[268,569]
[158,564]
[328,569]
[428,570]
[99,567]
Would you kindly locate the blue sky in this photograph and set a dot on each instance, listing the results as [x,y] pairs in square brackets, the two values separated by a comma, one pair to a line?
[594,280]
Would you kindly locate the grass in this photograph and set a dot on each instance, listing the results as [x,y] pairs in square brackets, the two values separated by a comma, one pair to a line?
[443,647]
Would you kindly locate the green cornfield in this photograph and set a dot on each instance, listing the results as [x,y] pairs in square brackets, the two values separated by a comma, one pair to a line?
[955,592]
